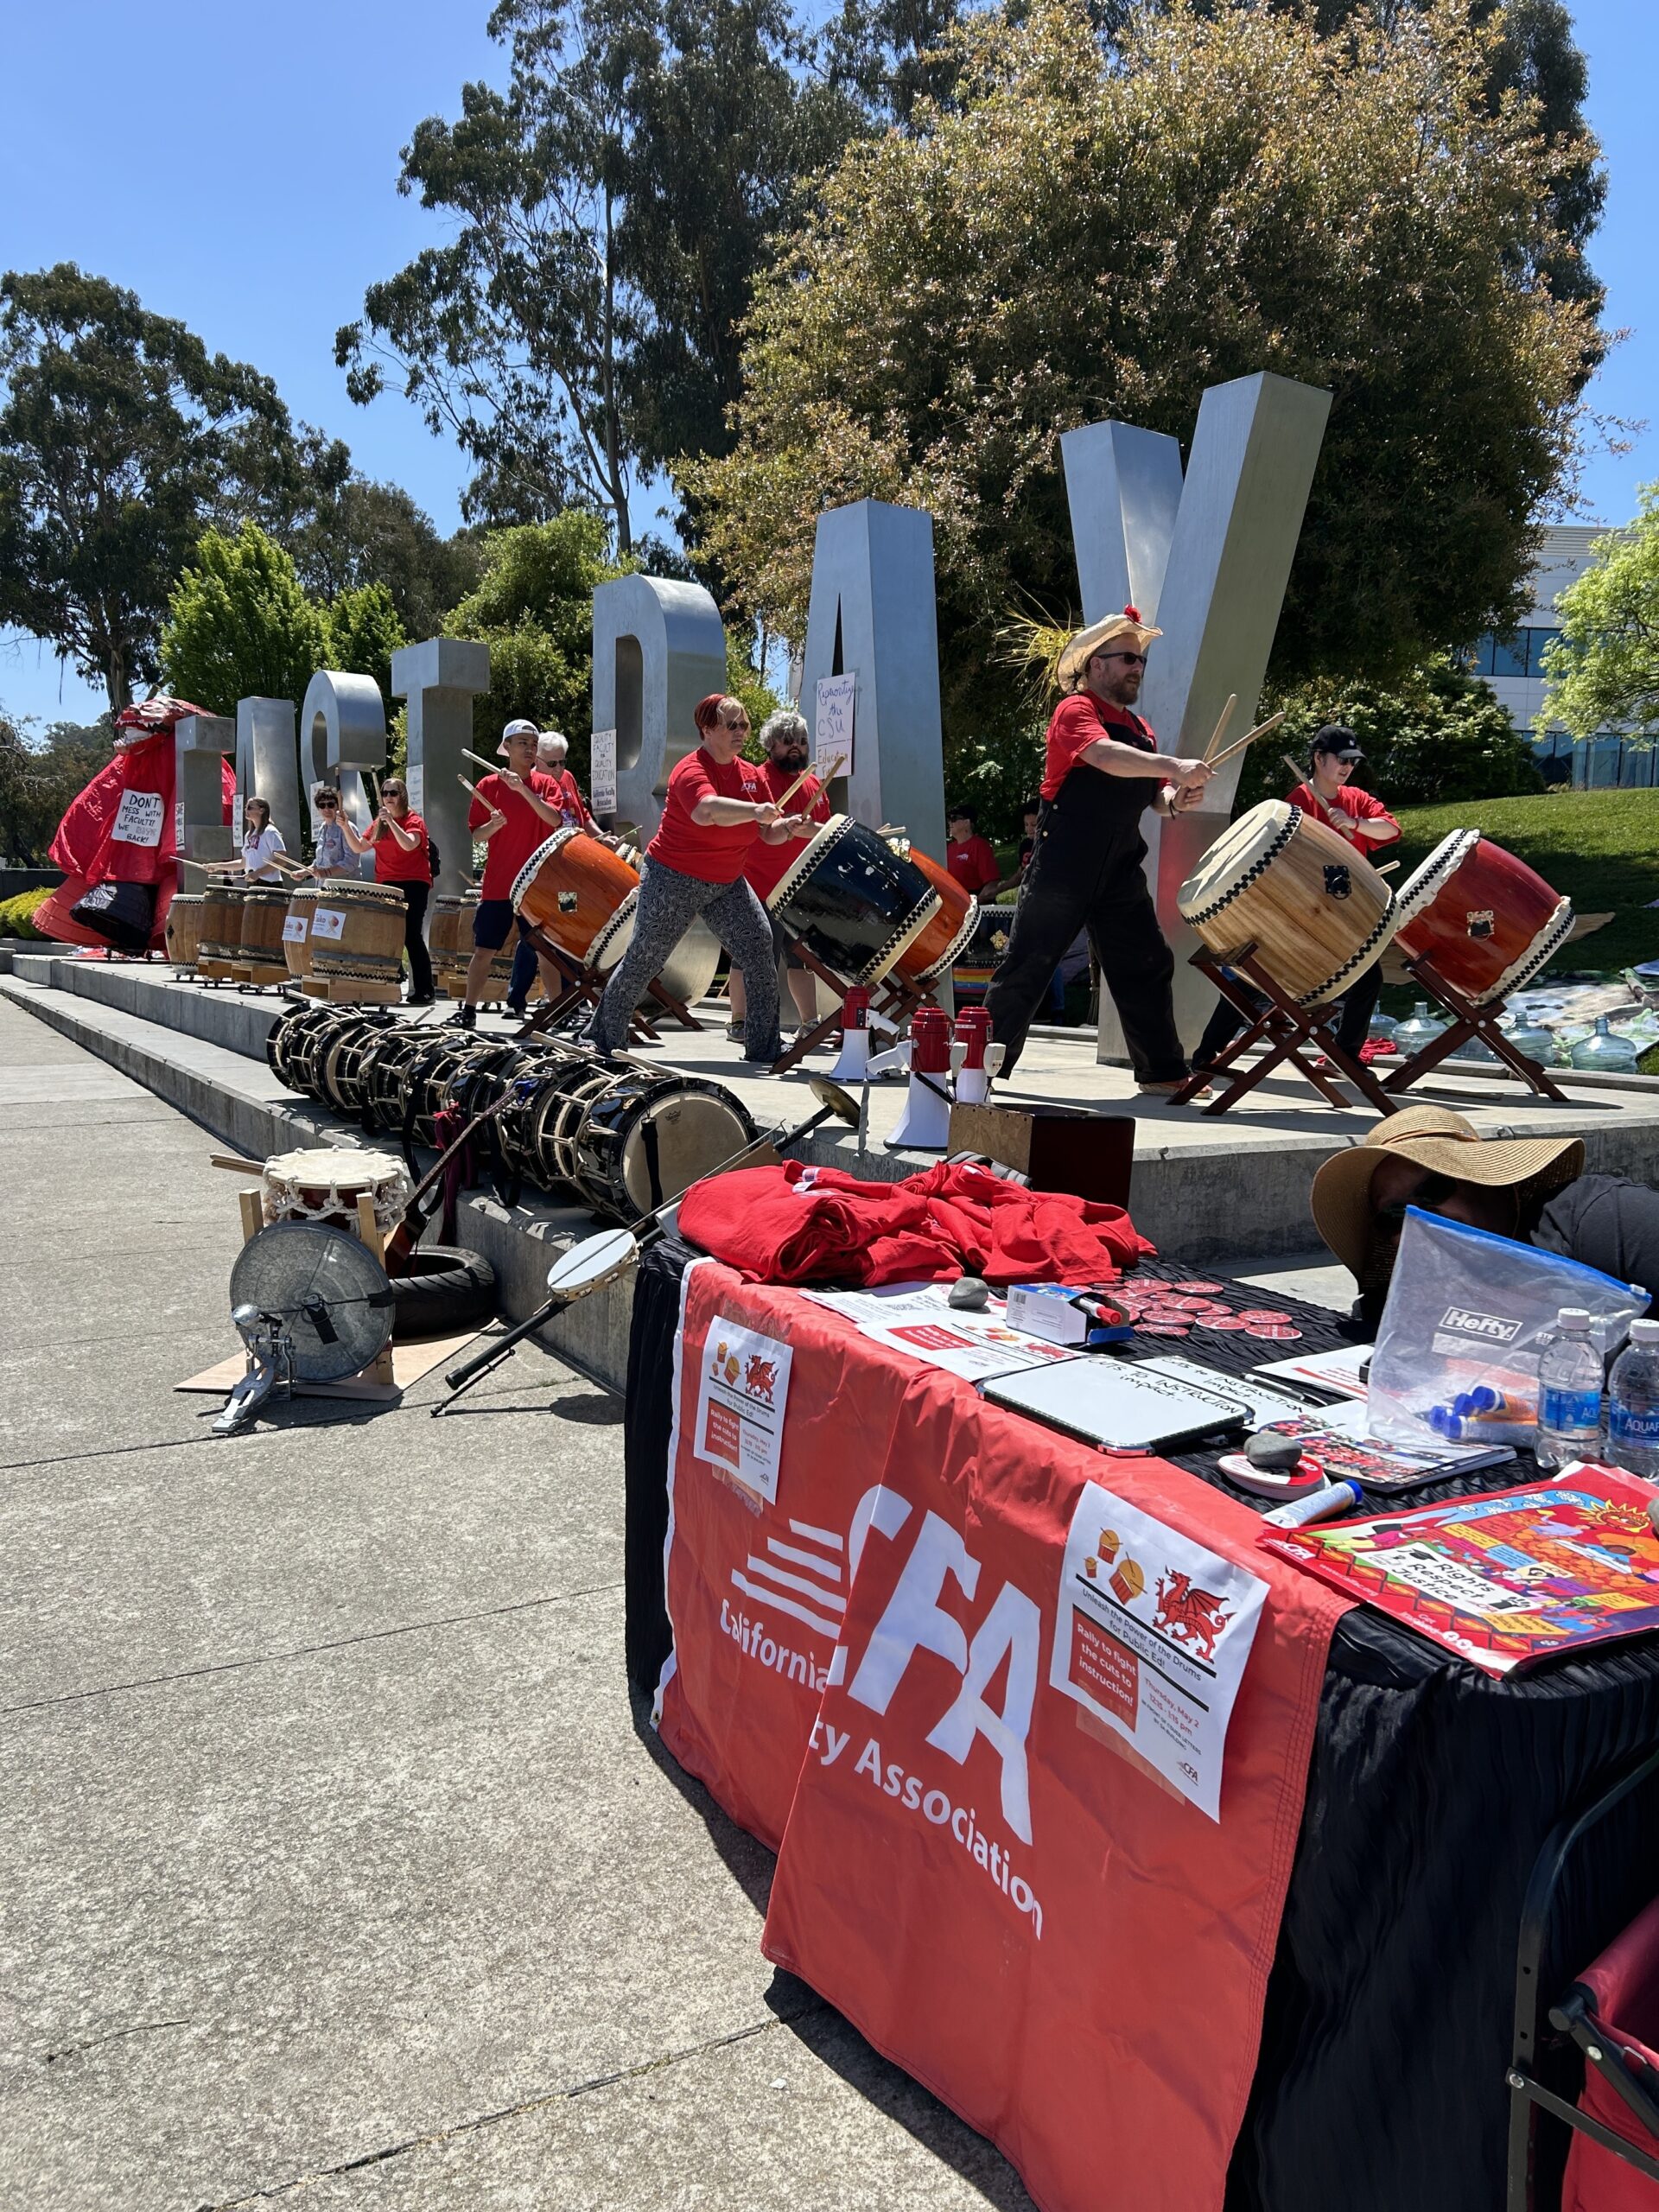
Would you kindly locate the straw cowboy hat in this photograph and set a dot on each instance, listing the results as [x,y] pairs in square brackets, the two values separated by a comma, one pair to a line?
[1433,1137]
[1076,655]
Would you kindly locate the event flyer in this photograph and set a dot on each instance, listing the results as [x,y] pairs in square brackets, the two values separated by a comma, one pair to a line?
[1151,1635]
[742,1400]
[918,1319]
[1504,1578]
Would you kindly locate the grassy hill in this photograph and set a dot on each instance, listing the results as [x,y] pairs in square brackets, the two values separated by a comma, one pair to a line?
[1601,848]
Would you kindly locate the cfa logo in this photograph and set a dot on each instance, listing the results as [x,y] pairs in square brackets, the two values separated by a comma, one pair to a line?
[1492,1326]
[915,1620]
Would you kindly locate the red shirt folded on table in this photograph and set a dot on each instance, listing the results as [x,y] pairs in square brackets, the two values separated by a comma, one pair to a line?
[393,864]
[1358,805]
[1076,723]
[795,1224]
[713,852]
[518,836]
[973,863]
[766,865]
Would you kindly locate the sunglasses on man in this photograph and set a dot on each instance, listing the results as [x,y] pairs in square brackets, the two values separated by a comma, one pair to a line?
[1136,660]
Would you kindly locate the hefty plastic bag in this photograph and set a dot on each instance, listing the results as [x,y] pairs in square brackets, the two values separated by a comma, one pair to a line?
[1466,1317]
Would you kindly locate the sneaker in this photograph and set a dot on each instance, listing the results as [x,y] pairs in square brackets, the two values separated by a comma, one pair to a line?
[1162,1089]
[464,1017]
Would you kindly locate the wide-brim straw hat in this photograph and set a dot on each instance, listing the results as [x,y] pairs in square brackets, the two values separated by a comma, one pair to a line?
[1078,649]
[1435,1138]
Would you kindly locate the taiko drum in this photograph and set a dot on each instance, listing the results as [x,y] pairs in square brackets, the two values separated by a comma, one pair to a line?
[571,887]
[1483,920]
[943,939]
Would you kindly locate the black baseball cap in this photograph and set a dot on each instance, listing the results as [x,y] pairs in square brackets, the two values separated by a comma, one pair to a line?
[1335,738]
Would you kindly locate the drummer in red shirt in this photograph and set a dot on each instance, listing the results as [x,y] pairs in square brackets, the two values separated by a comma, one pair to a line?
[512,813]
[552,749]
[1330,795]
[402,855]
[717,804]
[784,738]
[967,856]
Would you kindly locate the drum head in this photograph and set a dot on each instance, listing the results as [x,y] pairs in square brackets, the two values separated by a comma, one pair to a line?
[1235,855]
[595,1261]
[806,860]
[666,1141]
[1421,888]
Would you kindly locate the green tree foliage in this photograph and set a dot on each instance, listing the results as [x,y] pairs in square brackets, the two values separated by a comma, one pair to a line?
[239,625]
[1436,734]
[360,631]
[344,531]
[1072,240]
[1604,669]
[39,777]
[120,436]
[609,211]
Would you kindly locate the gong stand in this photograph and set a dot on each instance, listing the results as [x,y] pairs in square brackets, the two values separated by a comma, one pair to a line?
[1286,1031]
[1468,1021]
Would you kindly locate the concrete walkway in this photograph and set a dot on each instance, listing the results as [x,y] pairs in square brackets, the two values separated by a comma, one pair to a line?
[335,1865]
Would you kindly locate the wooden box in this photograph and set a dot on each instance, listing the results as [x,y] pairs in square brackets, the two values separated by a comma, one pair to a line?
[1056,1147]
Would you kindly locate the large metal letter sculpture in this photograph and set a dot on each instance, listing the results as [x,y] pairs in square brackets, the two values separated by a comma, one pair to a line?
[268,764]
[342,731]
[199,745]
[1208,560]
[660,646]
[872,612]
[440,678]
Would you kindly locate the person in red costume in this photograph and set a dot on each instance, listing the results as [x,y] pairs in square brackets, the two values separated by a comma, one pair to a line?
[717,804]
[1102,770]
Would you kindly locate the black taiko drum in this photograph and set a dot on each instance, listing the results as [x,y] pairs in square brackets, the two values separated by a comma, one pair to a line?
[284,1034]
[401,1052]
[346,1065]
[853,902]
[649,1137]
[312,1043]
[539,1135]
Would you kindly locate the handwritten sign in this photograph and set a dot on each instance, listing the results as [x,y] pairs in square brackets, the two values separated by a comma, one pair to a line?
[601,772]
[415,783]
[833,735]
[140,818]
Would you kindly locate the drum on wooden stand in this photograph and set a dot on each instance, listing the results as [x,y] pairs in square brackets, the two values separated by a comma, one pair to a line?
[184,928]
[856,905]
[1317,912]
[324,1183]
[688,972]
[1483,920]
[296,929]
[570,889]
[944,940]
[357,941]
[648,1137]
[259,955]
[221,932]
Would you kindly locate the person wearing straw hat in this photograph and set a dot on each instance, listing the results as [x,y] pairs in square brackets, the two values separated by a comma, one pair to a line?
[1532,1189]
[1101,770]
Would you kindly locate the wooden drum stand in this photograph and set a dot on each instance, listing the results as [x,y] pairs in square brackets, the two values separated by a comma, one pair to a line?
[1288,1030]
[1467,1021]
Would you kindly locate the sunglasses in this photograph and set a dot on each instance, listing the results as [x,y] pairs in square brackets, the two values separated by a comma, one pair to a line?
[1136,660]
[734,722]
[327,806]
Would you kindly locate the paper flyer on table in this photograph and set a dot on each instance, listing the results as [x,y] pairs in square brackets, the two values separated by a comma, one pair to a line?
[741,1401]
[917,1320]
[1152,1635]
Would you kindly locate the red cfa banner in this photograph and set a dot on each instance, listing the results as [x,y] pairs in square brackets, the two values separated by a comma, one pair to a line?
[988,1879]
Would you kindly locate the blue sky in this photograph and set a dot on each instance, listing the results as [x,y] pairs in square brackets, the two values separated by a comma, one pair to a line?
[237,167]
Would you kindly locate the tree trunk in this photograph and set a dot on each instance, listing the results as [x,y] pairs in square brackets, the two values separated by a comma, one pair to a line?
[117,680]
[618,486]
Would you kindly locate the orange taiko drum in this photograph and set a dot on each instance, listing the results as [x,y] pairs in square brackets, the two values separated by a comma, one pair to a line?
[942,940]
[571,887]
[1484,921]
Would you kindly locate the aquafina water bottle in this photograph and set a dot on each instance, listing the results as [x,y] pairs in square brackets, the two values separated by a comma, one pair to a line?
[1569,1393]
[1633,1423]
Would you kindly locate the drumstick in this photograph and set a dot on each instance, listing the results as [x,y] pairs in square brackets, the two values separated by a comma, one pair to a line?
[1388,867]
[1248,738]
[1329,813]
[489,767]
[239,1167]
[836,766]
[1226,716]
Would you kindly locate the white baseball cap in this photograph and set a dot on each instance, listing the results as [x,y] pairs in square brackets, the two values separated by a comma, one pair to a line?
[518,728]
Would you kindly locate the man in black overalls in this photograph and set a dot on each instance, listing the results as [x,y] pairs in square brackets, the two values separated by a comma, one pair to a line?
[1102,770]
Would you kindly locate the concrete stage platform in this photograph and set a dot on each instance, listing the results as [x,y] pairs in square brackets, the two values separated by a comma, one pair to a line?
[1230,1188]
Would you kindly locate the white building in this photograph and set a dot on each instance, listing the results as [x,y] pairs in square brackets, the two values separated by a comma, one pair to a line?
[1513,666]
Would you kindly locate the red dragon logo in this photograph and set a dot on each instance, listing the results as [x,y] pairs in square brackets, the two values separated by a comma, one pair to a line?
[1196,1616]
[761,1377]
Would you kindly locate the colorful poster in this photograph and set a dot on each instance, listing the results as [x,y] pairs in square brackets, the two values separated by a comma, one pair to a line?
[1153,1635]
[1505,1579]
[741,1404]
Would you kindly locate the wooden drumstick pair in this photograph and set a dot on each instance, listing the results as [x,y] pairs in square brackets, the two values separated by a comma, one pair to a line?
[806,775]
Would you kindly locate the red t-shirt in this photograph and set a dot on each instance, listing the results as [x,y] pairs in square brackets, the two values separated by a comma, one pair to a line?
[766,865]
[713,852]
[391,863]
[570,801]
[1358,805]
[973,864]
[518,836]
[1076,723]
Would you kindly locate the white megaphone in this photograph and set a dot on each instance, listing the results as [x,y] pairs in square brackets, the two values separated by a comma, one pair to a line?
[924,1125]
[854,1063]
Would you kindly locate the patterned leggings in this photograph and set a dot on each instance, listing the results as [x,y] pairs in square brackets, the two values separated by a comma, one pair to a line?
[669,903]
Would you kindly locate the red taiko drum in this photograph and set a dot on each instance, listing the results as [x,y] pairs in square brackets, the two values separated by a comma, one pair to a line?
[571,887]
[931,953]
[1483,919]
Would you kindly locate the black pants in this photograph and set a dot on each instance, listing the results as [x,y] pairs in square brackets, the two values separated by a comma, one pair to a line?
[1086,873]
[420,963]
[1358,1004]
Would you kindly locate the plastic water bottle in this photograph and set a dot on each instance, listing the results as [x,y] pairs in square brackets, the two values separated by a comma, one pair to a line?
[1633,1403]
[1569,1393]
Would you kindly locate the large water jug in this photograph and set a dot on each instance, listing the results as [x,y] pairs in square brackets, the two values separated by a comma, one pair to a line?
[1604,1053]
[1421,1029]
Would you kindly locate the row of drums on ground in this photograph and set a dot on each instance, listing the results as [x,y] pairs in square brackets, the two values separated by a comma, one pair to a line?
[619,1139]
[1318,912]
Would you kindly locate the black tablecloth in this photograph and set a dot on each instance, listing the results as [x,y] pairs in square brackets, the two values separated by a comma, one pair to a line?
[1432,1788]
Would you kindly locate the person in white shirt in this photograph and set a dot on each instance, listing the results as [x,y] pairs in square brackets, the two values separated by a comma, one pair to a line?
[260,839]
